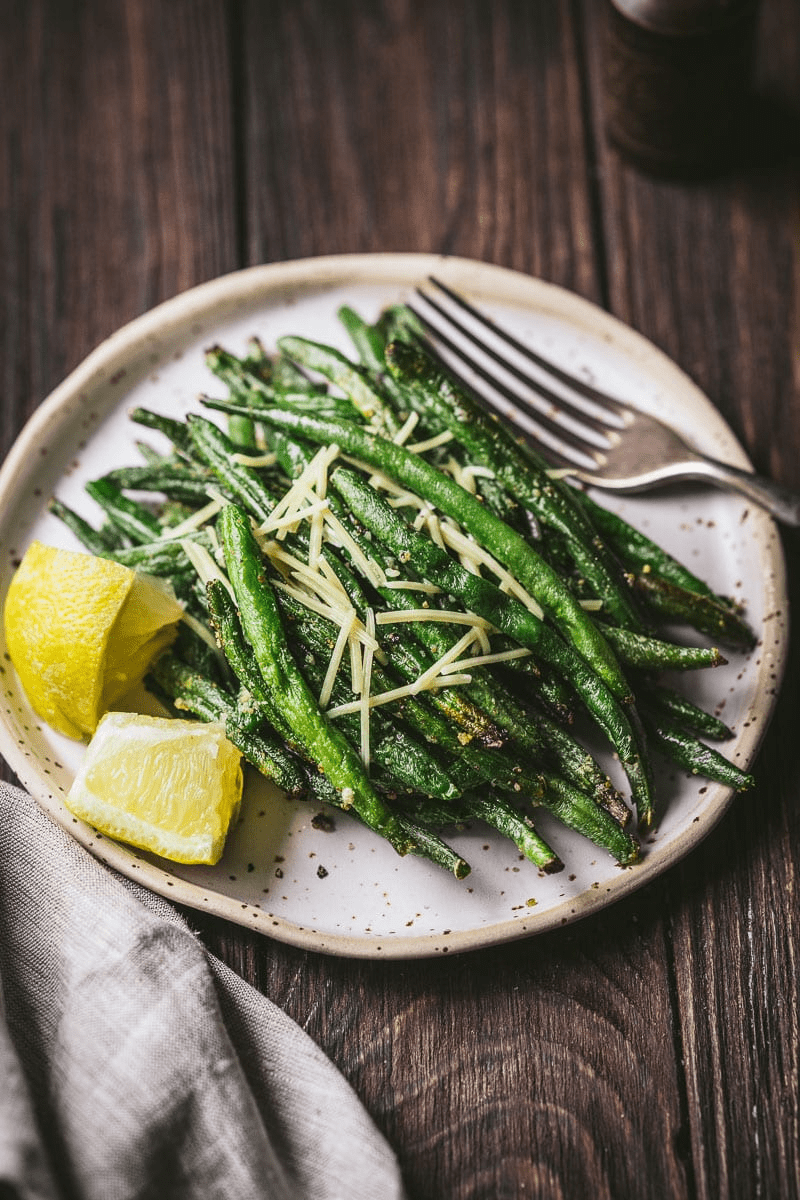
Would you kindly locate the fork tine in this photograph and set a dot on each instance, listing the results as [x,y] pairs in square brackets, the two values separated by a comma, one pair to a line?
[533,425]
[602,399]
[559,404]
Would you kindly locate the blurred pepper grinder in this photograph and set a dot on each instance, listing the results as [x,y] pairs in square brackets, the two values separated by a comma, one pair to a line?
[677,82]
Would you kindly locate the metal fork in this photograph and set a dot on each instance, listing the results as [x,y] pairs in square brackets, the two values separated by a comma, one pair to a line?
[597,438]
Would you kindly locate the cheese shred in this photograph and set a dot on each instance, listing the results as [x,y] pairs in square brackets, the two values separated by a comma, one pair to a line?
[449,616]
[335,662]
[312,580]
[366,683]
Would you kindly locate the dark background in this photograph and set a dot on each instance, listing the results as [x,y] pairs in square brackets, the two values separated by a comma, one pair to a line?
[651,1051]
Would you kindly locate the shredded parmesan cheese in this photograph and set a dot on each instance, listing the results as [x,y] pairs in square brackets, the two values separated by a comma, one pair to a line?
[367,566]
[435,531]
[255,460]
[306,482]
[400,693]
[366,683]
[428,677]
[470,549]
[406,429]
[315,539]
[412,585]
[203,563]
[292,520]
[483,660]
[422,516]
[194,522]
[339,648]
[202,632]
[404,500]
[441,439]
[460,475]
[337,616]
[333,579]
[356,670]
[450,616]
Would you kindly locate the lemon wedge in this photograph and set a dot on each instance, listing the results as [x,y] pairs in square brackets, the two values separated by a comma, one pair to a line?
[81,632]
[169,786]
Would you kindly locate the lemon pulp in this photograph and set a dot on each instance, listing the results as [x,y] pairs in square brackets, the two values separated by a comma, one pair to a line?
[169,786]
[82,631]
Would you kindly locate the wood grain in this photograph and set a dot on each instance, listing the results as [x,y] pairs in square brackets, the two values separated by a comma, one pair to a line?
[119,187]
[650,1051]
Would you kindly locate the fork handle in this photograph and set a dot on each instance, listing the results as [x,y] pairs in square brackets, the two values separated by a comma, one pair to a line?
[779,501]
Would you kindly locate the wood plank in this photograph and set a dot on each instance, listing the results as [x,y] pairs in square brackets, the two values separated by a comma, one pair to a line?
[652,1050]
[538,1069]
[710,273]
[119,190]
[417,126]
[543,1068]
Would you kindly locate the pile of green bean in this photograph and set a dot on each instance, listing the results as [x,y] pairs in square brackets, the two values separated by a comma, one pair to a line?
[570,603]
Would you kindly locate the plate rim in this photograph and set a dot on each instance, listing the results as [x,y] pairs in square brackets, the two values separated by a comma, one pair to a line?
[265,282]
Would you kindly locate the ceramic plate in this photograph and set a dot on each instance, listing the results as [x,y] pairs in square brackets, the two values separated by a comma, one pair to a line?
[343,891]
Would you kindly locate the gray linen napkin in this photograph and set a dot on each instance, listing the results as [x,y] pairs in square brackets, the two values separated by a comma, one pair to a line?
[135,1064]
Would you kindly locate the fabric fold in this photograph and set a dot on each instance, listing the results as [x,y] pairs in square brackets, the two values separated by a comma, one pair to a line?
[139,1065]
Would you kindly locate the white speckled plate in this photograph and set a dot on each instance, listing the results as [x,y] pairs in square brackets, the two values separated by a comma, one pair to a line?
[344,891]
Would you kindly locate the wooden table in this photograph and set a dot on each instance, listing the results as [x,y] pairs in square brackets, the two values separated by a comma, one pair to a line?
[649,1051]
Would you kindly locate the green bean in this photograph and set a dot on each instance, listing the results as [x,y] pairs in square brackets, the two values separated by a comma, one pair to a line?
[261,622]
[98,541]
[130,518]
[173,479]
[498,814]
[370,345]
[353,381]
[505,613]
[555,696]
[492,445]
[216,449]
[506,545]
[669,602]
[191,690]
[165,559]
[247,380]
[672,704]
[427,844]
[678,591]
[580,813]
[651,654]
[569,758]
[398,323]
[503,817]
[535,732]
[153,458]
[288,377]
[687,751]
[175,431]
[225,622]
[638,552]
[472,723]
[409,764]
[242,432]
